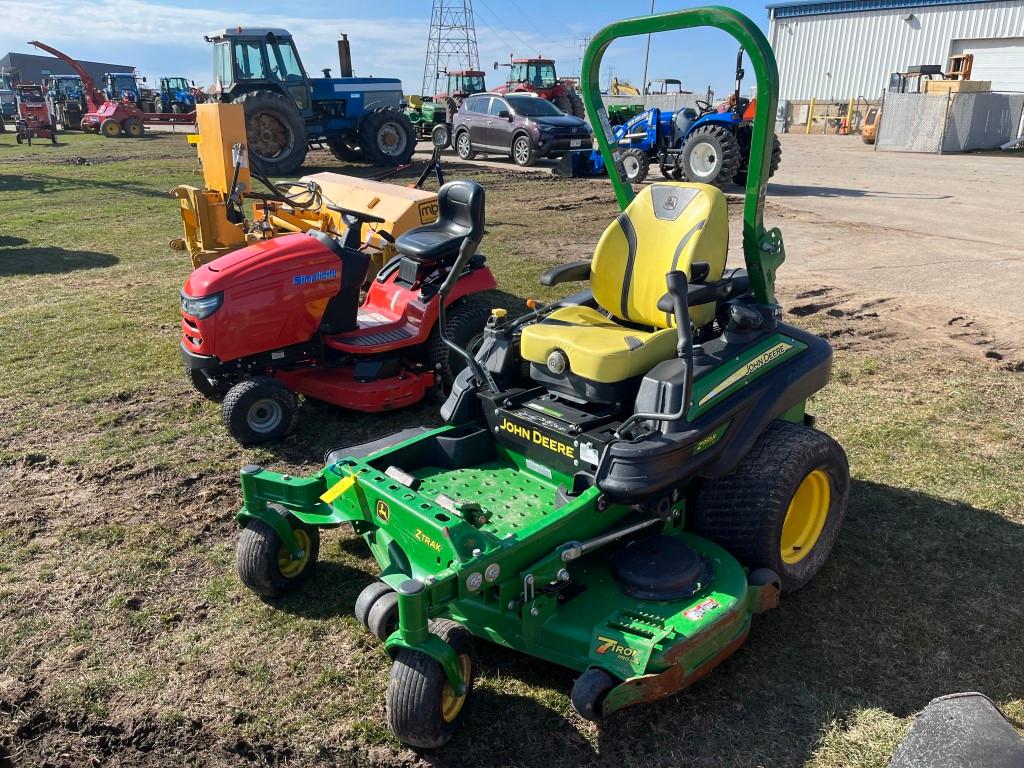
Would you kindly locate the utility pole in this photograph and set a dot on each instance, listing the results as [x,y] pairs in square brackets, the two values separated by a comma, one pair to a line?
[581,45]
[451,42]
[647,57]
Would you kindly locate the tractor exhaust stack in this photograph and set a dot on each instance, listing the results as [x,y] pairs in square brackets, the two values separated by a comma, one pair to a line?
[344,57]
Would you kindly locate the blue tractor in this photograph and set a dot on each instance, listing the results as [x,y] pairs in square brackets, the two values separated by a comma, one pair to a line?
[175,95]
[708,145]
[8,101]
[122,85]
[285,109]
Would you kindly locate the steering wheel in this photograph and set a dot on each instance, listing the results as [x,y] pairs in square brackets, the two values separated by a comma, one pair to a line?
[366,218]
[703,106]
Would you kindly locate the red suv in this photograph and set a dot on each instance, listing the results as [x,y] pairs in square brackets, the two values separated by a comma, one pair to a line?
[519,125]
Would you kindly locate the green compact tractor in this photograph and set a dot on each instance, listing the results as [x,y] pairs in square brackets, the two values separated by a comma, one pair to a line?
[625,477]
[432,117]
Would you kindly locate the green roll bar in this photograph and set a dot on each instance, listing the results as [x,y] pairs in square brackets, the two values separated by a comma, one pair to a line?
[762,250]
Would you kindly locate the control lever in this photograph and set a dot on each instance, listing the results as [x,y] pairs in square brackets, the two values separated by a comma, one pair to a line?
[678,288]
[576,549]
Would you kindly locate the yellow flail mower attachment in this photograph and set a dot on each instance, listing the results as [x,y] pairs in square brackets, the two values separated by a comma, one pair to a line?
[215,222]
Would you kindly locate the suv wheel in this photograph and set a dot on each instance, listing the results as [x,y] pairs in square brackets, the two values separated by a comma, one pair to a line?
[523,153]
[464,147]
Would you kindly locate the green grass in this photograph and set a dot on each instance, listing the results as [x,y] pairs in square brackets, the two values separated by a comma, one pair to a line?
[125,636]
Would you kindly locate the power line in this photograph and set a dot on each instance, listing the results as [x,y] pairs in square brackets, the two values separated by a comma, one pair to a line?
[451,40]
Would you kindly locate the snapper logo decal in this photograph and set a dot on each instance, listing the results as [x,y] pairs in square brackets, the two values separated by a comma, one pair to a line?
[316,277]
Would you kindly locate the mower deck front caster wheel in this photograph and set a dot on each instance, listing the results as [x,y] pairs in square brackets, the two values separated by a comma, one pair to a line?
[423,709]
[589,691]
[259,410]
[263,563]
[382,619]
[370,594]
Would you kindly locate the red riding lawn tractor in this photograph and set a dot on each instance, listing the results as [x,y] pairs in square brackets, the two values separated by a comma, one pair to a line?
[283,316]
[33,120]
[538,76]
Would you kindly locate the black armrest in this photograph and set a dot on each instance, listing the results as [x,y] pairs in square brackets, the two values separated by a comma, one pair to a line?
[566,273]
[736,283]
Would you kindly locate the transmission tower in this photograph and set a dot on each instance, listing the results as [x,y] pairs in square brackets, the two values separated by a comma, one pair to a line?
[452,42]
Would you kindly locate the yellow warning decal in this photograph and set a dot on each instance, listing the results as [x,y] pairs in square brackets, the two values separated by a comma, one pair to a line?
[337,489]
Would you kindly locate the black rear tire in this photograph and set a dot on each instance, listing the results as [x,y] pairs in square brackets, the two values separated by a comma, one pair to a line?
[262,564]
[741,175]
[589,691]
[745,512]
[464,323]
[387,137]
[711,155]
[418,691]
[259,410]
[276,132]
[578,108]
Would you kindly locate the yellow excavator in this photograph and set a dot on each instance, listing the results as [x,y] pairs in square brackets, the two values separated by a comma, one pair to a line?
[215,221]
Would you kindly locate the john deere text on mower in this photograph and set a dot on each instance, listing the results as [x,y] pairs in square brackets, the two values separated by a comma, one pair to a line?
[625,506]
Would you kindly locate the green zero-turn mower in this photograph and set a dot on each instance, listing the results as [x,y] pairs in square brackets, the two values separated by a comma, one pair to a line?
[625,476]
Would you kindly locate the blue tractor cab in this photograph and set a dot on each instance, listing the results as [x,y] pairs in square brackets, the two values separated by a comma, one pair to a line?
[176,96]
[286,109]
[66,97]
[120,85]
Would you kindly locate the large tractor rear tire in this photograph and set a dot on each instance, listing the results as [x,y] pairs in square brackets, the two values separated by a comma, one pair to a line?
[387,137]
[576,102]
[276,132]
[711,155]
[741,175]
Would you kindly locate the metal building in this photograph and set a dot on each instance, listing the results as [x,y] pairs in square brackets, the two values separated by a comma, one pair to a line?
[835,50]
[30,67]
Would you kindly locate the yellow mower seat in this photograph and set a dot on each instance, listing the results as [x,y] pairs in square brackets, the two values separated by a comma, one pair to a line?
[668,226]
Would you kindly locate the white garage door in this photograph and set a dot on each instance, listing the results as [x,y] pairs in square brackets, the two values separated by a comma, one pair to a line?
[999,59]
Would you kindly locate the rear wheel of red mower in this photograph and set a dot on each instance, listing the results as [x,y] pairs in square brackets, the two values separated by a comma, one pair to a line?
[589,692]
[259,410]
[110,128]
[370,594]
[464,324]
[636,164]
[783,505]
[423,709]
[382,619]
[133,128]
[263,563]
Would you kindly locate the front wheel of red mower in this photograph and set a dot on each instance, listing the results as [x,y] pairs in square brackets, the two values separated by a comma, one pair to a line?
[263,563]
[259,410]
[783,505]
[422,707]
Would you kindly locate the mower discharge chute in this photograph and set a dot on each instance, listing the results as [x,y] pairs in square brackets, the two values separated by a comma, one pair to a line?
[625,477]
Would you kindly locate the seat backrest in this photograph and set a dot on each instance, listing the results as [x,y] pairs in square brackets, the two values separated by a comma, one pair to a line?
[669,225]
[460,208]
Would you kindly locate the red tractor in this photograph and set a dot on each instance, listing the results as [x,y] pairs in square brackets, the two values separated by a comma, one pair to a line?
[461,84]
[284,316]
[33,120]
[538,76]
[111,118]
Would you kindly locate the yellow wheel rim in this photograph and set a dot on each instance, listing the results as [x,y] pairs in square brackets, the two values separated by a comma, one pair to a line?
[806,516]
[451,704]
[291,568]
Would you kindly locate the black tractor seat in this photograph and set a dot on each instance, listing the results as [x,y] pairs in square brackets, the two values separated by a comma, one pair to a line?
[460,214]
